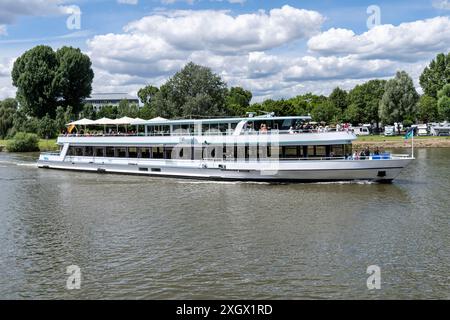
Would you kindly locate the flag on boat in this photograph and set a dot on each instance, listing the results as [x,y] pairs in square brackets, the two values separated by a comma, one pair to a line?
[409,134]
[70,128]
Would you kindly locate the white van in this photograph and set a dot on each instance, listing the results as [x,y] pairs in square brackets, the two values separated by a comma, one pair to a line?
[422,130]
[389,131]
[361,131]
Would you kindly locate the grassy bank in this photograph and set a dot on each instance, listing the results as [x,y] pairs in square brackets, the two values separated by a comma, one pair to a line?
[44,145]
[400,142]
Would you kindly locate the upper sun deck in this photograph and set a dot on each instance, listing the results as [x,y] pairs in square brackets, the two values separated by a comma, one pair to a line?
[287,130]
[196,127]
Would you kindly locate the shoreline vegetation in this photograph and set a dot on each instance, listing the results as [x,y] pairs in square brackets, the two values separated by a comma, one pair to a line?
[44,145]
[372,141]
[399,142]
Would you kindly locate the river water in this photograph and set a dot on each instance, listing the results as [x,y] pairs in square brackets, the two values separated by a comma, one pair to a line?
[147,238]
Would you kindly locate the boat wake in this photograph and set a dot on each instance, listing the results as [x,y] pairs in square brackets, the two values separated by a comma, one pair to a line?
[223,182]
[347,182]
[4,164]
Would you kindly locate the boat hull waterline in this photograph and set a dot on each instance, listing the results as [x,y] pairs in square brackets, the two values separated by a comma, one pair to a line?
[295,171]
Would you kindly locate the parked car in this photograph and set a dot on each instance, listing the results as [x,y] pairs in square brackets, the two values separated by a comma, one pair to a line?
[361,131]
[389,131]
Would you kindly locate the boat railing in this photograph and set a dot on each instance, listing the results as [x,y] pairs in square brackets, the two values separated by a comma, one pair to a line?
[51,153]
[204,133]
[364,158]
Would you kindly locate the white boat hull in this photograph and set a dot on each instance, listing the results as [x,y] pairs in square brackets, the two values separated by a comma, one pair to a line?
[275,171]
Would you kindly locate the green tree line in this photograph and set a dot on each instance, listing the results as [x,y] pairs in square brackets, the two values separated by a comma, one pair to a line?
[52,85]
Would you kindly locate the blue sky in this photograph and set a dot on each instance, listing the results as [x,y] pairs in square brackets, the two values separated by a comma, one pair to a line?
[293,48]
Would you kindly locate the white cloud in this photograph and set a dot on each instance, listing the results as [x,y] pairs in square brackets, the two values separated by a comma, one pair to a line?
[6,88]
[219,31]
[239,48]
[11,9]
[441,4]
[410,41]
[3,31]
[132,2]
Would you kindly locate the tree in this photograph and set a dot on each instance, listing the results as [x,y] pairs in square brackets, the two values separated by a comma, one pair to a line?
[8,108]
[23,142]
[327,112]
[88,112]
[427,109]
[147,94]
[436,75]
[338,98]
[33,74]
[195,91]
[108,111]
[146,112]
[47,128]
[353,114]
[364,100]
[238,100]
[399,99]
[279,107]
[126,109]
[444,102]
[45,79]
[304,104]
[74,76]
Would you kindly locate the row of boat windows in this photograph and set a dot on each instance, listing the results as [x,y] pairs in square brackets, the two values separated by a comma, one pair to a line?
[212,152]
[217,128]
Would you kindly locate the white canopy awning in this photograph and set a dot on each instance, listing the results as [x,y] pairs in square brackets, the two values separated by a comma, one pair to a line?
[158,119]
[82,122]
[104,121]
[124,121]
[138,121]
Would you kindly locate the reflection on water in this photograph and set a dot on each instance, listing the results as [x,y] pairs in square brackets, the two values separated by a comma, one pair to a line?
[138,237]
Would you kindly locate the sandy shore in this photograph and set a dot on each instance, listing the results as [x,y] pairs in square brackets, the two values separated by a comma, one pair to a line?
[422,142]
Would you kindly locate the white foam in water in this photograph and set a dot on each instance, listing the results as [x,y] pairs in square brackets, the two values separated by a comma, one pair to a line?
[347,182]
[4,164]
[34,165]
[221,182]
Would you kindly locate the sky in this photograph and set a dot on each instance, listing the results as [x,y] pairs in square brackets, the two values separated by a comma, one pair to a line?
[276,49]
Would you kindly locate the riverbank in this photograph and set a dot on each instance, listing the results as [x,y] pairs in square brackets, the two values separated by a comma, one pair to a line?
[44,145]
[400,142]
[362,142]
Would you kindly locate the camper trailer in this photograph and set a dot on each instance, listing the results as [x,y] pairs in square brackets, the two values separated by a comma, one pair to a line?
[422,130]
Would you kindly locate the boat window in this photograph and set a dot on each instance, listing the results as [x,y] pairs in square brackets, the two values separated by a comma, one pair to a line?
[70,152]
[121,152]
[110,152]
[79,151]
[287,124]
[99,152]
[88,151]
[253,152]
[168,152]
[132,152]
[348,149]
[187,129]
[198,153]
[338,150]
[223,127]
[205,128]
[321,151]
[145,153]
[157,153]
[291,152]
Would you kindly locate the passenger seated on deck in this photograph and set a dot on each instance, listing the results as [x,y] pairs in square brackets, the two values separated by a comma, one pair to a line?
[367,152]
[291,130]
[356,155]
[263,129]
[377,151]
